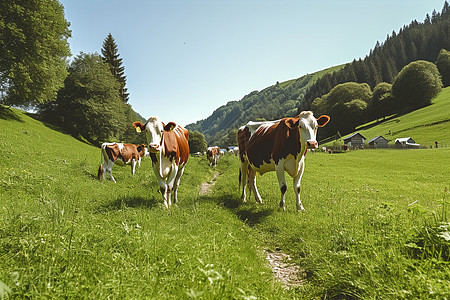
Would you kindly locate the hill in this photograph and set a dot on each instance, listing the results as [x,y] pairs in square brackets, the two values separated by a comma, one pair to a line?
[416,41]
[274,102]
[425,125]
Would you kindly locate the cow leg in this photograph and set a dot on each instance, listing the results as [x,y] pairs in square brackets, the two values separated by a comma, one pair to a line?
[252,182]
[163,190]
[177,184]
[297,186]
[108,168]
[133,166]
[243,180]
[168,195]
[103,171]
[281,183]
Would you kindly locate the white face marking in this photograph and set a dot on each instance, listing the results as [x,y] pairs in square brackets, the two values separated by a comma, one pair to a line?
[153,131]
[308,129]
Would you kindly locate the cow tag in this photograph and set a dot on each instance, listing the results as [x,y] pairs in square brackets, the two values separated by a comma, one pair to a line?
[138,129]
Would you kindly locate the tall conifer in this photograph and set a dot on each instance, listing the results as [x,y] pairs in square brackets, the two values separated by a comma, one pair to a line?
[111,56]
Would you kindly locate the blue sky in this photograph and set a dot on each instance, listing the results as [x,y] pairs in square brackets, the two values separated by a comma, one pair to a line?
[183,59]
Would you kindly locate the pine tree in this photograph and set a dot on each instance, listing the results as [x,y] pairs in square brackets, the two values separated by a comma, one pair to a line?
[111,56]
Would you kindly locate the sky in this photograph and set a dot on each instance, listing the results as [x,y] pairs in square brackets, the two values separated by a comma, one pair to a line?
[185,58]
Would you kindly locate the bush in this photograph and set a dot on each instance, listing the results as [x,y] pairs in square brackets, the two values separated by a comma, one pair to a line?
[417,84]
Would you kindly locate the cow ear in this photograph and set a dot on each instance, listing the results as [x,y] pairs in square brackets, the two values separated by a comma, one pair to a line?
[323,120]
[139,126]
[291,122]
[170,126]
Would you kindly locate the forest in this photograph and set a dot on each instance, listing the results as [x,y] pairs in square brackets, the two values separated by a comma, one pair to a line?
[374,76]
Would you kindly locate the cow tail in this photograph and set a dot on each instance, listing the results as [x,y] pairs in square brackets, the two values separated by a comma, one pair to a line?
[100,172]
[240,179]
[100,169]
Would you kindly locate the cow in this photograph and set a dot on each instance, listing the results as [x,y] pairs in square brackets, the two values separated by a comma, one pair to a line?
[278,146]
[120,154]
[212,153]
[169,151]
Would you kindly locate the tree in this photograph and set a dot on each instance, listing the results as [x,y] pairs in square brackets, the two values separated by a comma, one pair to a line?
[89,105]
[443,65]
[111,56]
[382,101]
[197,142]
[417,84]
[346,104]
[32,53]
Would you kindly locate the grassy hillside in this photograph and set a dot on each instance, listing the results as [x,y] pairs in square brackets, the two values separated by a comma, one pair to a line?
[274,102]
[375,227]
[425,125]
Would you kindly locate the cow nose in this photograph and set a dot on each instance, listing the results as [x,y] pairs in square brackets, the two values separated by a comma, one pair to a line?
[311,144]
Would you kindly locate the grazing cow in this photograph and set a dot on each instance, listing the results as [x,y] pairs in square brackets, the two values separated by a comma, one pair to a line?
[236,151]
[213,155]
[120,154]
[277,146]
[169,151]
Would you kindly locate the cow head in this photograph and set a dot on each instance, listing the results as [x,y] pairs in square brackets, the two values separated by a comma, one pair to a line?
[142,149]
[154,132]
[307,125]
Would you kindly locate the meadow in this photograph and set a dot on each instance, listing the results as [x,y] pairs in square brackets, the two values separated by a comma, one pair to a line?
[425,125]
[376,226]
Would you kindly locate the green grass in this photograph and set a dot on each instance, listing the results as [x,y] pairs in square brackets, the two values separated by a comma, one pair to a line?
[64,234]
[425,125]
[373,226]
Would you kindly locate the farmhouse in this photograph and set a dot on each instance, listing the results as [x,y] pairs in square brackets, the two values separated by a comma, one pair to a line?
[407,142]
[355,140]
[378,142]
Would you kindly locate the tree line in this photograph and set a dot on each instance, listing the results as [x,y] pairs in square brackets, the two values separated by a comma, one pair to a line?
[87,97]
[416,41]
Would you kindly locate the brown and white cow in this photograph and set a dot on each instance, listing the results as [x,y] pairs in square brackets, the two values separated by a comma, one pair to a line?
[213,154]
[120,154]
[277,146]
[169,151]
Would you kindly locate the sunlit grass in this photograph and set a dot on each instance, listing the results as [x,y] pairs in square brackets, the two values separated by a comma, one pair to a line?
[372,226]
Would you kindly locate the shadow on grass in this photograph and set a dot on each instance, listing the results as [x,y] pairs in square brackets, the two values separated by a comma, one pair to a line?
[250,213]
[8,114]
[130,202]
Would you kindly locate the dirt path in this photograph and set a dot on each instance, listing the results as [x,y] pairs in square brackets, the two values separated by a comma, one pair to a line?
[205,188]
[285,272]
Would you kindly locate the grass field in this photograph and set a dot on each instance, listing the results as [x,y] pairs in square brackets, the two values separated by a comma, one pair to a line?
[376,226]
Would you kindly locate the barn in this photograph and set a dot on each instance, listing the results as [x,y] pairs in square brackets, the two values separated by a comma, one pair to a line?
[378,142]
[355,141]
[407,142]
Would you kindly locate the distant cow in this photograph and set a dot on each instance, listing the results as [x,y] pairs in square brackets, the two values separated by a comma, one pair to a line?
[213,155]
[169,151]
[277,146]
[120,154]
